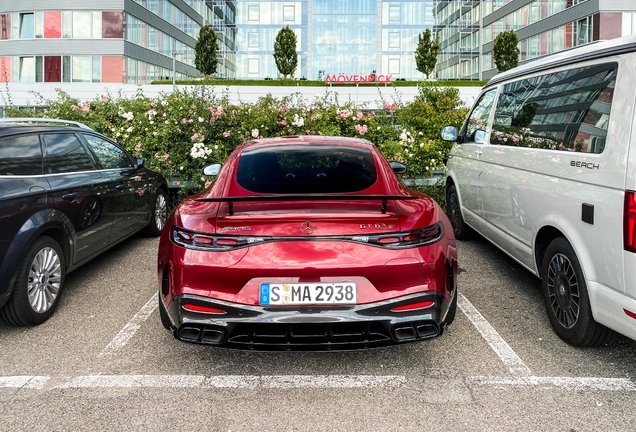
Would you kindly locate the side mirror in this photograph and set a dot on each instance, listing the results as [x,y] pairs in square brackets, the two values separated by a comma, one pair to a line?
[398,167]
[140,162]
[480,136]
[212,170]
[448,133]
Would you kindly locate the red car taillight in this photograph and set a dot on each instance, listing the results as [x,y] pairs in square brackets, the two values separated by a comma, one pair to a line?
[629,221]
[403,240]
[211,242]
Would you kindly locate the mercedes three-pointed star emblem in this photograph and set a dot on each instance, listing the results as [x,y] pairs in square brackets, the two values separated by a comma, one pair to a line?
[307,227]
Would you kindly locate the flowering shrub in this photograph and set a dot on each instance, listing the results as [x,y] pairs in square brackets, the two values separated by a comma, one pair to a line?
[180,132]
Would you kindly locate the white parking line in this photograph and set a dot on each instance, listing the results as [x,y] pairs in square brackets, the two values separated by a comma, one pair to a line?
[30,382]
[131,328]
[510,358]
[220,381]
[301,382]
[567,383]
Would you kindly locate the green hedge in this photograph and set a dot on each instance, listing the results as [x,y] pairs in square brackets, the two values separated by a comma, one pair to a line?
[183,131]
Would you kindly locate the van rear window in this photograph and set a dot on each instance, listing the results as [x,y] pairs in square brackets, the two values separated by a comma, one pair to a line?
[306,169]
[567,110]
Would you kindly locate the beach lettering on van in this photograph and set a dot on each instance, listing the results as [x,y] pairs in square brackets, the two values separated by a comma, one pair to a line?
[587,165]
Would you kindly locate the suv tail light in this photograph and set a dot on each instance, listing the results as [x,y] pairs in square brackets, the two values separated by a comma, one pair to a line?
[629,221]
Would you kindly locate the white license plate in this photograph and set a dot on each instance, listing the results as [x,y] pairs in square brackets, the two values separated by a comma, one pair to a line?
[308,293]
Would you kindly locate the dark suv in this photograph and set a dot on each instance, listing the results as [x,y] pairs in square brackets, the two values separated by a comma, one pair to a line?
[67,194]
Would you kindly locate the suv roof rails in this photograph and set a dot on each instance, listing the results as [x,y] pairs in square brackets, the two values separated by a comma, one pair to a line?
[42,120]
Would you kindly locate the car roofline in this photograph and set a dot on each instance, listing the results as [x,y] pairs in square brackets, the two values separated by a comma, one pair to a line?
[16,120]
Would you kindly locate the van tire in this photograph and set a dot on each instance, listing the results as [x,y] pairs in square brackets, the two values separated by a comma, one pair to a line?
[566,298]
[454,212]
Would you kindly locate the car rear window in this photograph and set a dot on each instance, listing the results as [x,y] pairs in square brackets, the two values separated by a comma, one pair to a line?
[20,155]
[306,169]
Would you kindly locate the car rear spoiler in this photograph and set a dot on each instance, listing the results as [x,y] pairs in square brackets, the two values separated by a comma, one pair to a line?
[308,197]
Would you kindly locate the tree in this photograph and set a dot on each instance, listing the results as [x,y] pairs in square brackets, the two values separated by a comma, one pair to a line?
[506,50]
[285,52]
[205,51]
[426,52]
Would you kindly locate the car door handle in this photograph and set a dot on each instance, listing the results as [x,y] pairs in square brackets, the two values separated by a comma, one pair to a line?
[69,196]
[119,187]
[478,152]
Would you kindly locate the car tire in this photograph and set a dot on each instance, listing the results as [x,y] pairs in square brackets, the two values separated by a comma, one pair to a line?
[38,285]
[452,311]
[163,314]
[159,214]
[566,298]
[454,211]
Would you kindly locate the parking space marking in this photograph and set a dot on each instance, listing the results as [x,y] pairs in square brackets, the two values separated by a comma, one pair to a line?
[510,358]
[243,382]
[232,381]
[131,328]
[30,382]
[567,383]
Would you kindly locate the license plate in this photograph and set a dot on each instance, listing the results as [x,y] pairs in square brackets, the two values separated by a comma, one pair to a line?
[308,293]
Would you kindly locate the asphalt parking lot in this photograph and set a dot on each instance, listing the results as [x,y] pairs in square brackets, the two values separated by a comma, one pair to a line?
[104,362]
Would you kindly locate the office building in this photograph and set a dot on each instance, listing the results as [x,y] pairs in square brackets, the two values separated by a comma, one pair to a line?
[467,29]
[351,37]
[110,41]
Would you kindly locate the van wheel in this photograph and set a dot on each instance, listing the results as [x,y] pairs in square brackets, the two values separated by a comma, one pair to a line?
[159,214]
[38,285]
[454,211]
[566,298]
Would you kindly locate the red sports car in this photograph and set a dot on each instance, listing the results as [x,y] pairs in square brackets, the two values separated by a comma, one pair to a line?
[307,243]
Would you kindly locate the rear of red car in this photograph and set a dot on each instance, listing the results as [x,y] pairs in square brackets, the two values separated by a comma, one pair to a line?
[307,243]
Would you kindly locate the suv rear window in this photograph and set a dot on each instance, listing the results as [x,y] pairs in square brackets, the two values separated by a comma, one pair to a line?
[306,169]
[20,155]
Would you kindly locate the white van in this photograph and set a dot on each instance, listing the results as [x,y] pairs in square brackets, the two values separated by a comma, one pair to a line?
[545,168]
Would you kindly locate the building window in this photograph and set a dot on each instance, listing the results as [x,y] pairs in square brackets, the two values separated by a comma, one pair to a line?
[253,39]
[394,13]
[67,24]
[27,25]
[112,25]
[52,25]
[289,13]
[394,40]
[253,66]
[82,24]
[253,13]
[582,33]
[27,69]
[394,66]
[66,69]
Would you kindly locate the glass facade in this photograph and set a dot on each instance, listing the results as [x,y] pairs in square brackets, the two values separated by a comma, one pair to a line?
[72,64]
[467,30]
[334,36]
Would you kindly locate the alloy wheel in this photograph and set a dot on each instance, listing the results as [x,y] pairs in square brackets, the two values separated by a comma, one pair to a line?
[161,211]
[45,276]
[563,290]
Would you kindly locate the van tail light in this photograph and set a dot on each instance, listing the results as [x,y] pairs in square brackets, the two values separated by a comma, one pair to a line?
[629,221]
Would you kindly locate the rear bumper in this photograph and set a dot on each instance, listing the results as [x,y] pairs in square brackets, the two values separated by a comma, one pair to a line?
[314,328]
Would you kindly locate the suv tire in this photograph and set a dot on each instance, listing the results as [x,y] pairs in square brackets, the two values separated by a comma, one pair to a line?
[159,214]
[38,285]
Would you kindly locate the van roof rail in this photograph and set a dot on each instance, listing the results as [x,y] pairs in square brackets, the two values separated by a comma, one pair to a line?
[42,120]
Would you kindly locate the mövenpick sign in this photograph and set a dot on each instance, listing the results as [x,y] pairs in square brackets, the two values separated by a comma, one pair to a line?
[358,79]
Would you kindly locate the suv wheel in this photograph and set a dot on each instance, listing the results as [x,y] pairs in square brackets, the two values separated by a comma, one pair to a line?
[454,211]
[38,285]
[567,300]
[159,214]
